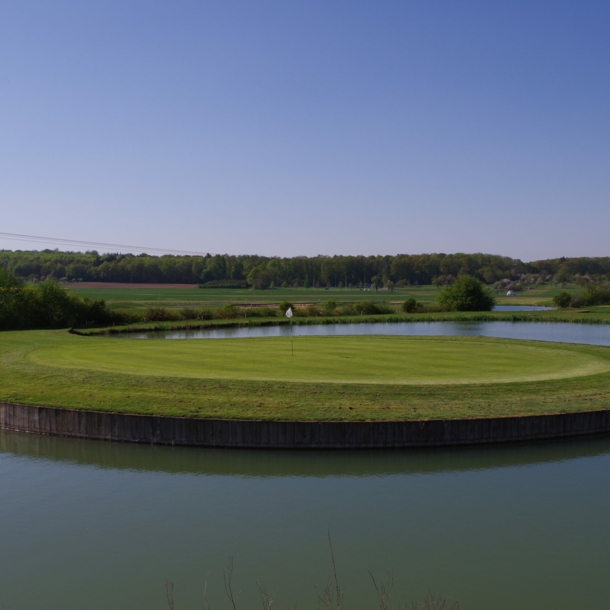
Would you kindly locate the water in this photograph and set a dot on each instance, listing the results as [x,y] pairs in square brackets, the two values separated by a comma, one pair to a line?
[96,525]
[540,331]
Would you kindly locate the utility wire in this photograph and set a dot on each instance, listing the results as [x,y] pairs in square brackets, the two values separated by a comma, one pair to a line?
[93,244]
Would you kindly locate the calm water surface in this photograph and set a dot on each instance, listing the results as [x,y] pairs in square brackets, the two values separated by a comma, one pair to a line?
[540,331]
[94,525]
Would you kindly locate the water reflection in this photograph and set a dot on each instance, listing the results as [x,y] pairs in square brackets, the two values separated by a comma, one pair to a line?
[290,463]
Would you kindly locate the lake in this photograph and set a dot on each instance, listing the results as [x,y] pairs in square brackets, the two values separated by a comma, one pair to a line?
[97,525]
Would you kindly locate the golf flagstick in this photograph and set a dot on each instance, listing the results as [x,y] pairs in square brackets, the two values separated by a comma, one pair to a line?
[289,316]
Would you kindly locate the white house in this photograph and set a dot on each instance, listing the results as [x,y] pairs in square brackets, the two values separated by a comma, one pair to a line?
[510,293]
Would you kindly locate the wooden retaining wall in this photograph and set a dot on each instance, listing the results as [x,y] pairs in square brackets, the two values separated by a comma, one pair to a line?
[296,434]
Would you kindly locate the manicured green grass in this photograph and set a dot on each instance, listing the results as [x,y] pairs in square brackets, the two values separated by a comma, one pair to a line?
[357,359]
[330,378]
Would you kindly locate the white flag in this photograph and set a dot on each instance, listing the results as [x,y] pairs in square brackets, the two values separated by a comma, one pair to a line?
[289,312]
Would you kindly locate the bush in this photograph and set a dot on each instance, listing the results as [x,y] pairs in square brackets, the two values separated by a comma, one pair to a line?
[330,308]
[267,312]
[312,311]
[126,316]
[159,314]
[226,311]
[189,313]
[284,306]
[367,308]
[410,306]
[595,294]
[466,294]
[46,305]
[205,313]
[563,300]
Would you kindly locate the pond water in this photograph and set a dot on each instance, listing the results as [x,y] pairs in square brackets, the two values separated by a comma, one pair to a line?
[540,331]
[96,525]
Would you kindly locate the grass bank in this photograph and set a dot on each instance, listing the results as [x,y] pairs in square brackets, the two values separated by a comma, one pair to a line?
[59,369]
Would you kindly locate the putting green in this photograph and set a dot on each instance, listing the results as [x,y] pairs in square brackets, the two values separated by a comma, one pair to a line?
[350,359]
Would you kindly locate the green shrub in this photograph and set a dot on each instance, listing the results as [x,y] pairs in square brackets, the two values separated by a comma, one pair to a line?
[46,305]
[562,300]
[159,314]
[205,313]
[596,294]
[466,294]
[312,311]
[267,312]
[330,308]
[226,311]
[347,310]
[367,308]
[284,306]
[410,306]
[189,313]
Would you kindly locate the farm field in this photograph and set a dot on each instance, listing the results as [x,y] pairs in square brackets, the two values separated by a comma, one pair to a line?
[141,296]
[349,378]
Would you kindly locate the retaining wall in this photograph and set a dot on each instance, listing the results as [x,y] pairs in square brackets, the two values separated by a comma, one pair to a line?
[296,434]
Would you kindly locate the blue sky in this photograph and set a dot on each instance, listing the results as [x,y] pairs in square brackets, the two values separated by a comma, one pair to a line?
[288,128]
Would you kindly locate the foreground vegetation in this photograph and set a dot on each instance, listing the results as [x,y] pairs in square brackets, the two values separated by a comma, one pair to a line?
[28,376]
[45,305]
[331,597]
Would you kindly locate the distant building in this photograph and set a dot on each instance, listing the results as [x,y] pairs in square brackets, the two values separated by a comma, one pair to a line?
[510,293]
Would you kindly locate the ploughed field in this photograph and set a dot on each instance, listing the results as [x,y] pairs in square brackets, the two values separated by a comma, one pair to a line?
[328,378]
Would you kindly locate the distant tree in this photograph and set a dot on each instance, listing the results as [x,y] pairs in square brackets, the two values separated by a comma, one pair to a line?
[410,306]
[467,293]
[562,276]
[340,285]
[562,300]
[284,284]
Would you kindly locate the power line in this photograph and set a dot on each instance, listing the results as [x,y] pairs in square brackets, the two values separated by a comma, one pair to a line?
[93,244]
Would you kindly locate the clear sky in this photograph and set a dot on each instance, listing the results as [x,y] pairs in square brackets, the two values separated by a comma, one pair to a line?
[288,127]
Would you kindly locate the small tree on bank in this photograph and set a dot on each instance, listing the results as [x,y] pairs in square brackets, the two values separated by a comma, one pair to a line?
[562,300]
[466,294]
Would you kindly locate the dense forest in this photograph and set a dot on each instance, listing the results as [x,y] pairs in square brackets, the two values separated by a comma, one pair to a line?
[265,272]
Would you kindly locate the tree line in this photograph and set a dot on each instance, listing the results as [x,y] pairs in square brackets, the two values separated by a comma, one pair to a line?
[264,272]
